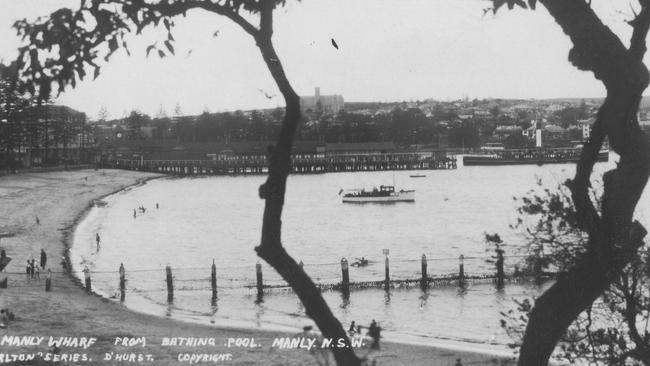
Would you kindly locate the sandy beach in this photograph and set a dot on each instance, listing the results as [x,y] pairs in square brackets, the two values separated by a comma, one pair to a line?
[58,200]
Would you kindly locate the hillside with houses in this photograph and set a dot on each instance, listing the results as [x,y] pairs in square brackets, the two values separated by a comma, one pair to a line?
[50,135]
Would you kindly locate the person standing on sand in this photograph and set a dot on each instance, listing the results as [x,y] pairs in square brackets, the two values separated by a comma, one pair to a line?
[352,329]
[38,221]
[43,258]
[97,239]
[134,213]
[32,267]
[374,331]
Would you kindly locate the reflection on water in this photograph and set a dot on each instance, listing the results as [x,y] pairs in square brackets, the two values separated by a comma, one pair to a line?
[219,218]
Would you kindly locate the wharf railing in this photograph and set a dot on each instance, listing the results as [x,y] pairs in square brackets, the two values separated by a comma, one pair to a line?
[300,165]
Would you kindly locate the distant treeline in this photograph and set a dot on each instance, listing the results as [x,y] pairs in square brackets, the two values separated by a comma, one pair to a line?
[401,126]
[437,124]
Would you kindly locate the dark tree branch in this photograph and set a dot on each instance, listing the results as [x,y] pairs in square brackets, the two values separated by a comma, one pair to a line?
[273,191]
[230,13]
[640,25]
[65,28]
[629,314]
[266,18]
[172,9]
[613,237]
[577,290]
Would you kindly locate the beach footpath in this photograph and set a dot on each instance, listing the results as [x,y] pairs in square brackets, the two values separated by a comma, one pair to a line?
[67,325]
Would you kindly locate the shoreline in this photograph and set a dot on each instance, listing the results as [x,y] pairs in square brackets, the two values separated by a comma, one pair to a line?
[106,319]
[68,234]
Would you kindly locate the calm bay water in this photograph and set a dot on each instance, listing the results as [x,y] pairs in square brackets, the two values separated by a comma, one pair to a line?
[219,218]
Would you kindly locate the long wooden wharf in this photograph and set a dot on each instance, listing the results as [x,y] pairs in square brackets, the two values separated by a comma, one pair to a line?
[300,165]
[530,156]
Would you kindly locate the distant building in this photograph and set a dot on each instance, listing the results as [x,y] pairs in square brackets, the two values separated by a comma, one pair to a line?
[321,103]
[54,134]
[552,108]
[482,114]
[531,132]
[585,125]
[502,132]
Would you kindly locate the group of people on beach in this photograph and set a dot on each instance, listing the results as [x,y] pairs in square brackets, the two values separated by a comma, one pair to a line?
[5,317]
[142,210]
[32,269]
[374,332]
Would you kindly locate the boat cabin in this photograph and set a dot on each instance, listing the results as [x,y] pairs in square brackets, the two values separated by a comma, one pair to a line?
[386,189]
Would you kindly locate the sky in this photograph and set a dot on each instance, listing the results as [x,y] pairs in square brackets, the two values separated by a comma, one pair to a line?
[389,50]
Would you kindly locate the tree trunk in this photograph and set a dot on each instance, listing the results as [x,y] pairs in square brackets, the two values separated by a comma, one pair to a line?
[613,237]
[273,191]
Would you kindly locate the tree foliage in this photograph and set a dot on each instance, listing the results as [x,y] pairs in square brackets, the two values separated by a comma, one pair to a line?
[67,45]
[134,123]
[615,329]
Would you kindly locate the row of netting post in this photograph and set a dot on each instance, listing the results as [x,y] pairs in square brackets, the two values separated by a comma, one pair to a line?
[424,279]
[457,277]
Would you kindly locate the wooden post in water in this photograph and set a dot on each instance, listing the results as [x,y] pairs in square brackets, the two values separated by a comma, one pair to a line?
[170,284]
[345,283]
[87,278]
[461,270]
[424,281]
[213,278]
[260,284]
[48,281]
[387,278]
[500,273]
[122,282]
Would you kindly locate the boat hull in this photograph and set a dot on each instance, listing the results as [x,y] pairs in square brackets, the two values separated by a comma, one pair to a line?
[403,196]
